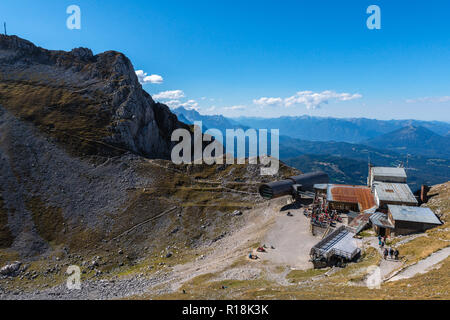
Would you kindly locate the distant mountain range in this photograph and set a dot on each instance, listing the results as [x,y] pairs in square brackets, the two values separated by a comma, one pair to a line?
[348,163]
[345,162]
[351,130]
[413,140]
[216,121]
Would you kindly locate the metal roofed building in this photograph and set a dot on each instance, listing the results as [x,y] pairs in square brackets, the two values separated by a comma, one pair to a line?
[387,174]
[381,223]
[350,198]
[360,222]
[393,193]
[402,220]
[412,219]
[320,191]
[336,248]
[320,186]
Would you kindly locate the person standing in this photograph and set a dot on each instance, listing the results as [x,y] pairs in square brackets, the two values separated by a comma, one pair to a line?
[385,253]
[396,254]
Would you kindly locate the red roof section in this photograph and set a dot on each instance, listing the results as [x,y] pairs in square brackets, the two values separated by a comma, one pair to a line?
[353,194]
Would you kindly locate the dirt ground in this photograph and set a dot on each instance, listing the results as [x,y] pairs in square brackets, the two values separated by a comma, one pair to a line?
[292,239]
[267,224]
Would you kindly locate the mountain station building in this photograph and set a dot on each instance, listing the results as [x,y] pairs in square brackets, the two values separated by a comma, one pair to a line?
[403,220]
[386,202]
[393,193]
[386,174]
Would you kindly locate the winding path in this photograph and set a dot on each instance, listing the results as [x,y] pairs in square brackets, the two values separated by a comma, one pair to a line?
[423,266]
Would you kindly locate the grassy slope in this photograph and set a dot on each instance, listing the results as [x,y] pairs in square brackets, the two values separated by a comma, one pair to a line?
[5,234]
[72,118]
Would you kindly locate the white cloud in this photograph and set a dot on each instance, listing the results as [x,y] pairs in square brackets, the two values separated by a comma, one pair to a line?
[173,103]
[145,79]
[237,107]
[154,78]
[169,95]
[430,99]
[192,108]
[190,104]
[310,99]
[314,100]
[264,101]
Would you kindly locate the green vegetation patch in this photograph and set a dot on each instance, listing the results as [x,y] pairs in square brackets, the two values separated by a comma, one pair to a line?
[48,220]
[6,238]
[296,276]
[78,122]
[420,248]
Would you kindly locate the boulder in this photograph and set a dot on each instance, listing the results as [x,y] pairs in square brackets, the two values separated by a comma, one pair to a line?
[11,270]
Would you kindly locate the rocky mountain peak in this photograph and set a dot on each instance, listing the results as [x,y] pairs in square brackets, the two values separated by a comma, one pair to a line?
[92,103]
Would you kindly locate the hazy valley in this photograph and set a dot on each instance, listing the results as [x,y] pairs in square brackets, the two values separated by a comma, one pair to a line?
[424,152]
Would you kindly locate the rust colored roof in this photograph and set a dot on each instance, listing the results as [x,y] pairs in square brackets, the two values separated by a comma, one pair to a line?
[361,218]
[352,194]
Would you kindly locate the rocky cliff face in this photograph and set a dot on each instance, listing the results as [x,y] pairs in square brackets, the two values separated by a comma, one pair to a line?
[88,102]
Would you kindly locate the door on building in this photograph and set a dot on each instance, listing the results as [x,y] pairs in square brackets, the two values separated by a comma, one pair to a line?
[382,232]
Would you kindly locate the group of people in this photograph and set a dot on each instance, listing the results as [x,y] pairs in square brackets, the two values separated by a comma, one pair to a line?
[321,215]
[392,253]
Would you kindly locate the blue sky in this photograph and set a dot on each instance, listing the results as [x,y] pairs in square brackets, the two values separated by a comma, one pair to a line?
[303,57]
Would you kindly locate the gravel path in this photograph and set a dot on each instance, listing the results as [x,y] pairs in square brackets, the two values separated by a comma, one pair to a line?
[387,266]
[423,266]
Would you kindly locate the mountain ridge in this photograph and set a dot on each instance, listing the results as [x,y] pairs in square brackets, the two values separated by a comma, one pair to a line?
[347,162]
[81,98]
[209,121]
[413,140]
[351,130]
